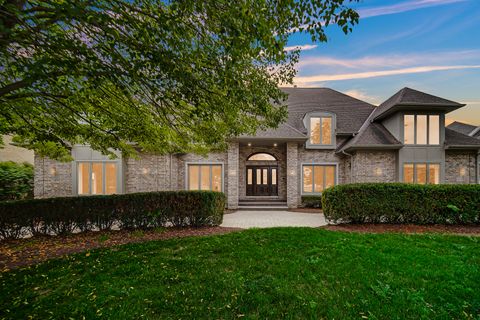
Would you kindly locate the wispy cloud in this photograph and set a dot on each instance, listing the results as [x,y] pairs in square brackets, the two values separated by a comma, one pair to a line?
[301,47]
[403,7]
[381,73]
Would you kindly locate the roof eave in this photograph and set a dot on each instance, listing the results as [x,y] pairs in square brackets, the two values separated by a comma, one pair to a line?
[446,107]
[372,147]
[459,147]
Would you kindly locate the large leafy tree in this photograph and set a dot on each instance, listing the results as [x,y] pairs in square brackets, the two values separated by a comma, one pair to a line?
[164,76]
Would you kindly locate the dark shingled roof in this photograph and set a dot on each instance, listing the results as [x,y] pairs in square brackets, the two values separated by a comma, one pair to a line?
[284,131]
[462,127]
[372,135]
[456,139]
[412,98]
[351,113]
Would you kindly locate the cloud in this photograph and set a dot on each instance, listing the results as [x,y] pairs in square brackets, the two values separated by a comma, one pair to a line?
[301,47]
[361,95]
[380,73]
[403,7]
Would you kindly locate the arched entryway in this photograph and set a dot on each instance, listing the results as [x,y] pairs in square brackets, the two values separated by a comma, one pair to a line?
[262,175]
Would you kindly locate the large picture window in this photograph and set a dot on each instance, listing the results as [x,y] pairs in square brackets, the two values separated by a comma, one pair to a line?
[421,129]
[205,177]
[96,178]
[317,178]
[321,131]
[421,173]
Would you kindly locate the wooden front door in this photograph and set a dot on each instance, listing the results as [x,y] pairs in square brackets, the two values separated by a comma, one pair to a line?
[262,180]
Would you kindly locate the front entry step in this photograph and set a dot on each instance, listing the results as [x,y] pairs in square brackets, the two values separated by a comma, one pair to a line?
[262,204]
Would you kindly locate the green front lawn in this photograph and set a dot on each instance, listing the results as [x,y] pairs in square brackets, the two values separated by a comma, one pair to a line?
[270,273]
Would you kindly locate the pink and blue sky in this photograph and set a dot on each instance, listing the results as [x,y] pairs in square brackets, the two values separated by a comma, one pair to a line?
[428,45]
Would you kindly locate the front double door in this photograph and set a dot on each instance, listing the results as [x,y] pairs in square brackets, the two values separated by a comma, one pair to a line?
[262,180]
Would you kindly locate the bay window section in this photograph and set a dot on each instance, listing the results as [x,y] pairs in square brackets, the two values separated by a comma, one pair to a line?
[96,178]
[317,178]
[421,129]
[421,173]
[205,177]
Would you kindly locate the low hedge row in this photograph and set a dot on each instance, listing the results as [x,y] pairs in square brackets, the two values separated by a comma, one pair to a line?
[54,216]
[312,202]
[403,203]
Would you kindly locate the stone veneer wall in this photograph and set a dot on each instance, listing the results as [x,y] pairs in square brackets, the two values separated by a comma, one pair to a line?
[149,172]
[365,164]
[277,152]
[232,171]
[455,161]
[52,178]
[293,175]
[321,157]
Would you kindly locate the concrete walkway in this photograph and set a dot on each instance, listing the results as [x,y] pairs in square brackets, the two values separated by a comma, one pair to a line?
[268,219]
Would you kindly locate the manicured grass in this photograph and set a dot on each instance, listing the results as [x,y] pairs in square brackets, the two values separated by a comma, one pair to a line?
[270,273]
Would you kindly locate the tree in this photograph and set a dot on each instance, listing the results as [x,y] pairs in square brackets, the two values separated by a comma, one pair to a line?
[163,76]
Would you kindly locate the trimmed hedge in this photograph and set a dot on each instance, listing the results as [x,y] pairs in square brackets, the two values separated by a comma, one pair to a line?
[402,203]
[55,216]
[16,181]
[312,201]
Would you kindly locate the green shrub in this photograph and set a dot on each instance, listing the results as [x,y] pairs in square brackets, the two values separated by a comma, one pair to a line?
[128,211]
[402,203]
[16,181]
[312,201]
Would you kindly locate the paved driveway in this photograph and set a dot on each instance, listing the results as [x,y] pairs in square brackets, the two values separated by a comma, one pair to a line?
[268,219]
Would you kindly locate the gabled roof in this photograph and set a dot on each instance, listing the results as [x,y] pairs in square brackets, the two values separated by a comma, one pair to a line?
[461,127]
[350,113]
[410,99]
[457,140]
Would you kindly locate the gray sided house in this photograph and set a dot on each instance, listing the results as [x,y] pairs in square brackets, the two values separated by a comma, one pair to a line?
[329,138]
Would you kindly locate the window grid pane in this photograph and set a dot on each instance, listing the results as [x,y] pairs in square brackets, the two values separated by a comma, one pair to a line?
[249,176]
[329,176]
[216,178]
[409,129]
[97,178]
[307,178]
[326,130]
[193,177]
[421,129]
[318,178]
[110,178]
[434,129]
[433,173]
[274,176]
[421,173]
[315,130]
[408,173]
[259,176]
[83,178]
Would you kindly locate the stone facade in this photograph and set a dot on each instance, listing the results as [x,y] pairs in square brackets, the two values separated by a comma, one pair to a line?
[278,152]
[460,167]
[232,173]
[293,191]
[373,166]
[149,172]
[52,178]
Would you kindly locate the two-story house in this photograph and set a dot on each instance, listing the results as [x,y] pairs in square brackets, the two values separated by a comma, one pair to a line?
[329,138]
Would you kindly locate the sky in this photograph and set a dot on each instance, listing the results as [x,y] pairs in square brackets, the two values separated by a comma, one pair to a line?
[428,45]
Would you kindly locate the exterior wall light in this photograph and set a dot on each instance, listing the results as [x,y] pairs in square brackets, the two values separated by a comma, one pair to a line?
[249,144]
[378,171]
[292,172]
[53,171]
[144,170]
[463,171]
[275,144]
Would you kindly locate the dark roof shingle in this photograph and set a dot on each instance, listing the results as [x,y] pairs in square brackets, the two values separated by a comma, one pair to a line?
[462,127]
[457,139]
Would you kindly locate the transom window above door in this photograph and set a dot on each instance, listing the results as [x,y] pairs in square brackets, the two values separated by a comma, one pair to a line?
[205,177]
[96,177]
[262,156]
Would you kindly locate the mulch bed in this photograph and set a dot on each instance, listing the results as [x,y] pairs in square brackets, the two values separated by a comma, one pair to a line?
[24,252]
[471,230]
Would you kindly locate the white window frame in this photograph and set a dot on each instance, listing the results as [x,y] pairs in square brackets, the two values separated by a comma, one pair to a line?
[306,122]
[335,164]
[428,171]
[90,162]
[187,174]
[415,129]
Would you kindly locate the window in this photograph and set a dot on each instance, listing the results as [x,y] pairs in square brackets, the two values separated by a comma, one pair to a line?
[205,177]
[317,178]
[421,129]
[96,178]
[421,173]
[321,130]
[261,157]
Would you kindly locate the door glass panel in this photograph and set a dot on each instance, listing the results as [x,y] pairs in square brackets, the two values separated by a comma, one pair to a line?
[265,176]
[315,130]
[408,173]
[434,130]
[274,176]
[434,173]
[329,176]
[217,178]
[307,179]
[110,178]
[409,129]
[205,177]
[421,129]
[326,130]
[259,176]
[193,177]
[249,176]
[318,176]
[421,169]
[97,178]
[83,177]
